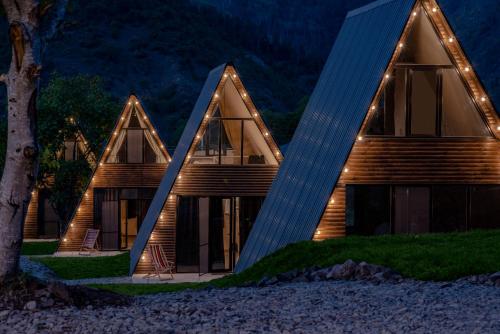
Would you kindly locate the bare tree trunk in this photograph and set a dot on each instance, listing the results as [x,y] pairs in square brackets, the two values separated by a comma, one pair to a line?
[22,151]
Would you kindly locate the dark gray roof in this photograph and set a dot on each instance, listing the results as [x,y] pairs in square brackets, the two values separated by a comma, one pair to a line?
[328,128]
[174,167]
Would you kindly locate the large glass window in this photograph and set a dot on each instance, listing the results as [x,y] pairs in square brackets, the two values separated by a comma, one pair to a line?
[425,96]
[232,141]
[119,213]
[378,209]
[135,143]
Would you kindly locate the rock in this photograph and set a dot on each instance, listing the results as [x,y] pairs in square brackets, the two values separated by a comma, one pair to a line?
[349,268]
[335,272]
[288,276]
[60,291]
[495,277]
[30,306]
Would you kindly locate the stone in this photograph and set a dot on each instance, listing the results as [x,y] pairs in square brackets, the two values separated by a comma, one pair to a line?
[335,272]
[30,306]
[495,276]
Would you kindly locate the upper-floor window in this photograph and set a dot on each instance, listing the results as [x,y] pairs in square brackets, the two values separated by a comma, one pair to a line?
[425,96]
[231,136]
[135,143]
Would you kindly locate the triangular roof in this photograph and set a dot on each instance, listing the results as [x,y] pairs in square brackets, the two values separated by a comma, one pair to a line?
[131,104]
[352,79]
[205,106]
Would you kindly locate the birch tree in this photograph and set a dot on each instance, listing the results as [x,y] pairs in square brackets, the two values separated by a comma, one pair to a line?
[21,80]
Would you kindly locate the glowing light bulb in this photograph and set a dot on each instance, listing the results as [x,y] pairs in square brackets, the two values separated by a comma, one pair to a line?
[136,102]
[234,76]
[179,177]
[145,117]
[65,239]
[171,197]
[153,132]
[346,170]
[266,134]
[360,138]
[143,257]
[115,133]
[100,163]
[72,225]
[198,136]
[255,114]
[169,159]
[401,45]
[161,216]
[498,128]
[332,201]
[434,10]
[216,95]
[225,75]
[415,13]
[387,76]
[107,149]
[373,107]
[244,94]
[277,152]
[318,232]
[451,39]
[483,99]
[467,69]
[123,118]
[129,103]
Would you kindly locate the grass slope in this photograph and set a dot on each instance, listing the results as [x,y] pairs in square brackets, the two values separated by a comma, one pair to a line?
[88,267]
[39,248]
[436,257]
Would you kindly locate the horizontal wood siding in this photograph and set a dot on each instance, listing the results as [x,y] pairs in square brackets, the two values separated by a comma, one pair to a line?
[163,234]
[206,180]
[411,161]
[108,176]
[215,180]
[31,220]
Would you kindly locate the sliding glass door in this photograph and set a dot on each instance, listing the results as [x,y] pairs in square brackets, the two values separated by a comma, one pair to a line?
[211,231]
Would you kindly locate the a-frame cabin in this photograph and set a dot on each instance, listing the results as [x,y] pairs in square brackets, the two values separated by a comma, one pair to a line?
[123,184]
[220,173]
[42,222]
[399,136]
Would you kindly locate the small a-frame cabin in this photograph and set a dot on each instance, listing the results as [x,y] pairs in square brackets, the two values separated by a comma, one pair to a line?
[221,171]
[123,184]
[399,136]
[42,222]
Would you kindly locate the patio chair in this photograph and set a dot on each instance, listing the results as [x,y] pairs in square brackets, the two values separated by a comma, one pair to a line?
[160,262]
[89,243]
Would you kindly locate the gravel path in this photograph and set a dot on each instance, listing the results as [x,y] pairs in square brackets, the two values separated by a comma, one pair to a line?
[328,307]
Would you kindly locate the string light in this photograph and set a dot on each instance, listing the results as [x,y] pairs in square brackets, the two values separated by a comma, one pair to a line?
[373,107]
[198,136]
[360,138]
[450,40]
[123,118]
[65,239]
[216,95]
[244,94]
[169,159]
[414,13]
[332,201]
[100,163]
[387,76]
[498,128]
[266,134]
[32,193]
[115,133]
[225,75]
[483,99]
[145,118]
[434,10]
[72,225]
[179,176]
[255,114]
[234,76]
[277,152]
[318,232]
[401,45]
[153,132]
[171,197]
[108,149]
[207,116]
[143,257]
[129,103]
[346,170]
[161,216]
[467,69]
[136,102]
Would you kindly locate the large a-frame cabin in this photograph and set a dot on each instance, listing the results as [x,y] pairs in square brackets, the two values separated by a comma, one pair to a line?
[42,221]
[123,184]
[212,192]
[399,136]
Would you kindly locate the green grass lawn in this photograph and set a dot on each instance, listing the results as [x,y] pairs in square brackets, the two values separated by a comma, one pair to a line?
[39,248]
[436,257]
[87,267]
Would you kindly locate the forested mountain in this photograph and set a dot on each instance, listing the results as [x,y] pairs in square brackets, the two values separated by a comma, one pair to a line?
[163,50]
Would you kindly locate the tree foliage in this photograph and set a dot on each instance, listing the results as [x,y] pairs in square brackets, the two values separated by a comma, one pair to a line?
[68,106]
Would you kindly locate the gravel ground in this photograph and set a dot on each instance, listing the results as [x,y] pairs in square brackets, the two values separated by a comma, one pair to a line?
[328,307]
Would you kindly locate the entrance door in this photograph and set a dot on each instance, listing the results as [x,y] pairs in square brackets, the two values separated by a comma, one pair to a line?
[222,231]
[412,209]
